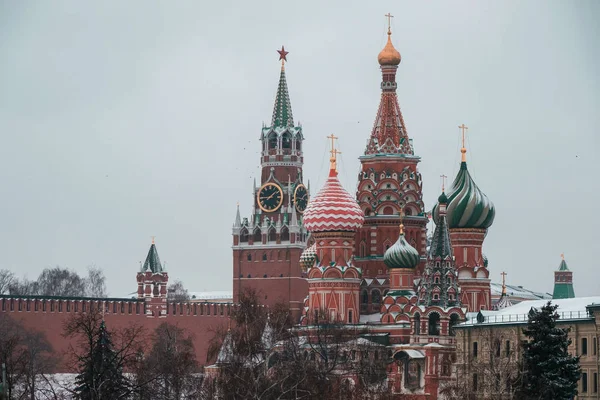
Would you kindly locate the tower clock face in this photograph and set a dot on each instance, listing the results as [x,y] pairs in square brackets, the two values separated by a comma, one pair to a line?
[269,197]
[300,198]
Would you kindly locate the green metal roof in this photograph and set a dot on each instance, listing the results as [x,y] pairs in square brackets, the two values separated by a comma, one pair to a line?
[152,262]
[282,111]
[563,291]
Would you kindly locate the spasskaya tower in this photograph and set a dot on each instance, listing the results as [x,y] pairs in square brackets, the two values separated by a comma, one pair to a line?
[268,244]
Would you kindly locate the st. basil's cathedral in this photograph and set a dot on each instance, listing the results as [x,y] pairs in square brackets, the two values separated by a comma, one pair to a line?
[363,259]
[367,258]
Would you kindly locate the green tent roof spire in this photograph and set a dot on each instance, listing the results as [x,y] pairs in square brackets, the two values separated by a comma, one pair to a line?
[282,110]
[152,262]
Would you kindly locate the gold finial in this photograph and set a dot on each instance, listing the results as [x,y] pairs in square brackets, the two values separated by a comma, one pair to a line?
[401,221]
[389,18]
[283,56]
[562,255]
[152,239]
[503,282]
[334,152]
[463,149]
[443,182]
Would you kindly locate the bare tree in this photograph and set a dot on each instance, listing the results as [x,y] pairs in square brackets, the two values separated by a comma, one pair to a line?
[170,370]
[176,292]
[23,287]
[262,357]
[27,356]
[60,282]
[95,282]
[126,346]
[490,374]
[6,280]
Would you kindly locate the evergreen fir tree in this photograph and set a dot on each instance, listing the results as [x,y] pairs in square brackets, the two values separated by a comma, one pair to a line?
[549,371]
[101,375]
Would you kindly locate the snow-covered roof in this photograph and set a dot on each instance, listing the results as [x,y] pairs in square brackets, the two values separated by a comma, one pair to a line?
[517,292]
[213,295]
[364,319]
[568,309]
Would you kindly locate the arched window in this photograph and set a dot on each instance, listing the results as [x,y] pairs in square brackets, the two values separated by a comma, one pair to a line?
[285,234]
[249,257]
[265,257]
[298,144]
[417,324]
[364,298]
[257,237]
[272,235]
[434,324]
[244,235]
[375,296]
[362,249]
[407,211]
[286,141]
[272,141]
[388,211]
[453,322]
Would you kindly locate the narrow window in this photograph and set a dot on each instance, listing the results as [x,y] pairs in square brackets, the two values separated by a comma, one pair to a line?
[82,307]
[35,306]
[475,349]
[249,257]
[20,305]
[60,306]
[584,383]
[44,305]
[584,346]
[595,387]
[474,382]
[137,308]
[349,316]
[51,306]
[508,348]
[114,308]
[497,345]
[595,346]
[122,308]
[68,306]
[130,308]
[28,306]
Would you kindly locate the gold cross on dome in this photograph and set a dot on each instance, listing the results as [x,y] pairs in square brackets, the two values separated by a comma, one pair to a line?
[463,127]
[562,255]
[503,278]
[443,182]
[333,150]
[389,18]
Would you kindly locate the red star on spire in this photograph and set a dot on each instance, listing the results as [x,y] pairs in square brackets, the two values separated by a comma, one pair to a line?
[282,54]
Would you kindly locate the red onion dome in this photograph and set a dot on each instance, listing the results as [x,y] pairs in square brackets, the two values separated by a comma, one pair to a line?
[333,209]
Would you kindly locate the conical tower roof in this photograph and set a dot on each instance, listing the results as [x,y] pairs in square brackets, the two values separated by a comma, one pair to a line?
[152,262]
[282,110]
[440,240]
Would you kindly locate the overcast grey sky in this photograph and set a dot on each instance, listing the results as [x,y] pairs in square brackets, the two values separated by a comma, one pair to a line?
[123,120]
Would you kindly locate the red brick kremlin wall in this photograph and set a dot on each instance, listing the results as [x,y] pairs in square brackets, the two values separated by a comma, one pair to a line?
[201,319]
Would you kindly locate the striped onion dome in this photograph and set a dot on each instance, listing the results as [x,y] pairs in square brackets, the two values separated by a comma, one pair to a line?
[308,257]
[333,209]
[467,206]
[401,254]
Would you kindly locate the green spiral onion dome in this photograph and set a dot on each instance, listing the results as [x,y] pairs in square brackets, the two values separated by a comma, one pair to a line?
[467,206]
[401,255]
[308,257]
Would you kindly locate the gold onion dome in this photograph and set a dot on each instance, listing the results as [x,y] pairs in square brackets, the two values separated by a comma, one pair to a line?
[389,55]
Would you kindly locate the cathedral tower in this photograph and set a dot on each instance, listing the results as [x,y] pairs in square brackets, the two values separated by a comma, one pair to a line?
[388,182]
[268,244]
[469,214]
[333,217]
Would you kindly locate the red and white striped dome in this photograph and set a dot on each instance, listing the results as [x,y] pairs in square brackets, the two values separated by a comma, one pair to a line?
[333,209]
